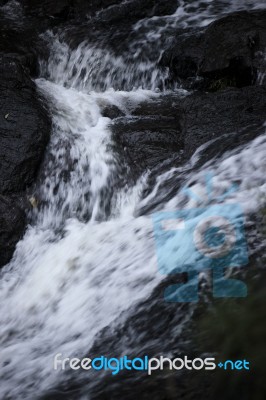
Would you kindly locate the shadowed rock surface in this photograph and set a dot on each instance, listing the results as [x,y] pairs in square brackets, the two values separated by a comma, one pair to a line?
[24,128]
[166,131]
[230,49]
[148,140]
[109,10]
[24,133]
[12,227]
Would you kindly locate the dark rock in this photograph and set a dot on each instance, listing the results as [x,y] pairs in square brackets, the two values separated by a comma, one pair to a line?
[148,141]
[12,226]
[20,36]
[222,120]
[167,130]
[134,10]
[232,42]
[15,46]
[24,122]
[210,115]
[65,9]
[228,52]
[24,128]
[47,8]
[111,111]
[184,56]
[106,9]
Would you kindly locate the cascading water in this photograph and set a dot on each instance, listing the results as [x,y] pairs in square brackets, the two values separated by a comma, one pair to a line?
[87,256]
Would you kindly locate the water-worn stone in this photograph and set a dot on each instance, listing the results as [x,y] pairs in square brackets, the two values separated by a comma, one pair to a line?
[20,35]
[134,10]
[24,128]
[210,115]
[229,51]
[221,121]
[174,126]
[111,9]
[12,226]
[148,140]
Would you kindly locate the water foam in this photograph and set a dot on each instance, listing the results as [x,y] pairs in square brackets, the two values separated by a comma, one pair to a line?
[78,268]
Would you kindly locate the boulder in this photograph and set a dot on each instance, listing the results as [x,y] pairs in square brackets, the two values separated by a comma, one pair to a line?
[171,127]
[134,10]
[20,36]
[24,128]
[229,52]
[209,116]
[12,226]
[47,8]
[147,141]
[166,131]
[14,45]
[233,43]
[106,9]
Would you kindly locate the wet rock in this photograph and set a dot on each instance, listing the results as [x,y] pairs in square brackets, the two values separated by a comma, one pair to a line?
[134,10]
[20,36]
[210,115]
[16,47]
[220,121]
[12,226]
[148,140]
[184,56]
[167,130]
[24,128]
[24,122]
[106,9]
[111,111]
[227,53]
[65,8]
[61,9]
[231,43]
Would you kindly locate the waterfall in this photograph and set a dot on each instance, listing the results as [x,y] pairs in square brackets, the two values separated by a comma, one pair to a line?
[88,256]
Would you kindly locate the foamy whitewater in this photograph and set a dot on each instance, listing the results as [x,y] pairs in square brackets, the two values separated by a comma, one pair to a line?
[86,256]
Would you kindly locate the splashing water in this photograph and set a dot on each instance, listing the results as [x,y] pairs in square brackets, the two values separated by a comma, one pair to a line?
[86,257]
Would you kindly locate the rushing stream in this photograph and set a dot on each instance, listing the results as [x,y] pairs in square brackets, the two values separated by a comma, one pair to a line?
[87,255]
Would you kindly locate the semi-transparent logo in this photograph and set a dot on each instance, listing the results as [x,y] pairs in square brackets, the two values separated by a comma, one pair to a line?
[198,239]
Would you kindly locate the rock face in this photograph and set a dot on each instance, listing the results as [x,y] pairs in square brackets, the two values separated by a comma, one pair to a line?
[233,41]
[12,226]
[111,9]
[19,35]
[210,115]
[230,50]
[165,132]
[47,8]
[174,126]
[136,9]
[148,140]
[24,133]
[24,128]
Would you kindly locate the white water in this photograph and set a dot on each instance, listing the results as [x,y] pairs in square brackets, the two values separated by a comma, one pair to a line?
[78,267]
[245,166]
[65,284]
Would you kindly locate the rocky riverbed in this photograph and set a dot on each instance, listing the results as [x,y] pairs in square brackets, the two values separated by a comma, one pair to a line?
[108,109]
